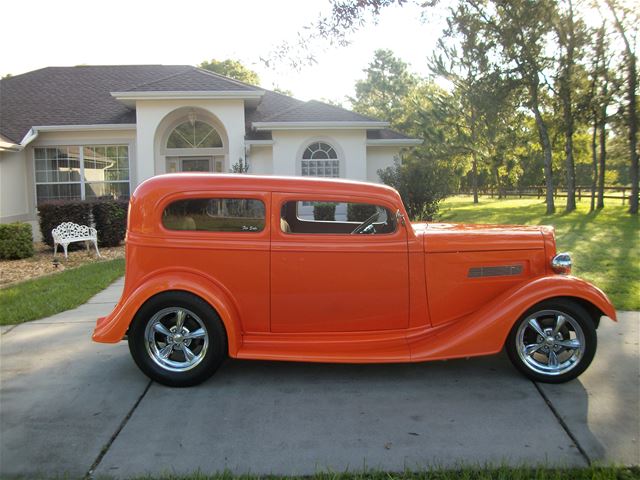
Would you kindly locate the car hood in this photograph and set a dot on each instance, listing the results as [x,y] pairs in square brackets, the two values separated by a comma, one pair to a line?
[452,237]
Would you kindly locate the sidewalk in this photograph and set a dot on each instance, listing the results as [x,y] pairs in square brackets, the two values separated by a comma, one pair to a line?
[68,405]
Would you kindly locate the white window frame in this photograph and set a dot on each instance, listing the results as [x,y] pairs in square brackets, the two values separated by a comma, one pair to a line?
[83,180]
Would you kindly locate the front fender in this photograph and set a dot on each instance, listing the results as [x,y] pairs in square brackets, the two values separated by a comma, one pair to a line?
[112,328]
[485,331]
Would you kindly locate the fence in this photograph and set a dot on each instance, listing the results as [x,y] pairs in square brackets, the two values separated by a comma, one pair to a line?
[616,193]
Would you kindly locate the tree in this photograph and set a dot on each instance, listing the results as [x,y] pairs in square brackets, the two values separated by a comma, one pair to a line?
[233,69]
[571,35]
[387,82]
[631,114]
[420,184]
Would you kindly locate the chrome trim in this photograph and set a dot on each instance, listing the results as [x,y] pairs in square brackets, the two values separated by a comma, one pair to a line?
[500,271]
[561,263]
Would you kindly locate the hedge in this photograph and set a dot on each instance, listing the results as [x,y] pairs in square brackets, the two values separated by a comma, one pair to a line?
[359,212]
[16,241]
[110,218]
[324,211]
[56,212]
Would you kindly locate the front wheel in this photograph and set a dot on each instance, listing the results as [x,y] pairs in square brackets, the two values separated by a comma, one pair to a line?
[553,342]
[177,339]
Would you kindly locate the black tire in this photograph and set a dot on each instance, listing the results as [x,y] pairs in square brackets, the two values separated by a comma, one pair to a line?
[578,328]
[207,352]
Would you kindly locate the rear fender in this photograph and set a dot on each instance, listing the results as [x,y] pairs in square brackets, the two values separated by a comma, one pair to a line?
[485,331]
[111,329]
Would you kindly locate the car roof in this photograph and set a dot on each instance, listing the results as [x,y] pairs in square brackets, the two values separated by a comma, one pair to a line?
[208,181]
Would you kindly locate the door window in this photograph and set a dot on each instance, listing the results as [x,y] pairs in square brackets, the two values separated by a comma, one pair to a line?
[336,218]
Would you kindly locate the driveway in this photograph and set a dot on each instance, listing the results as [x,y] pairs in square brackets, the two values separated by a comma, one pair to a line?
[70,406]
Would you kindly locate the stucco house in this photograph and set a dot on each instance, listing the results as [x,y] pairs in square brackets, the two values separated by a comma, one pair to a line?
[93,131]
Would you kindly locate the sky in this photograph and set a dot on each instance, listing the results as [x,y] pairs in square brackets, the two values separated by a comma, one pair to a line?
[70,32]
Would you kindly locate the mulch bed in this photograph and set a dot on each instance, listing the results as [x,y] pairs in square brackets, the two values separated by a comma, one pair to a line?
[13,271]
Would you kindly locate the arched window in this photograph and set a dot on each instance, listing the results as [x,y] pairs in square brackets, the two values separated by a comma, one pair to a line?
[320,160]
[194,134]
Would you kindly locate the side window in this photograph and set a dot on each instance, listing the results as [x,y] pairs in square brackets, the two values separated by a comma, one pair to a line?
[215,215]
[342,218]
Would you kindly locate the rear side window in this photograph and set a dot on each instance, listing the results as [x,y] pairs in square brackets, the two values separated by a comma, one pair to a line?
[215,215]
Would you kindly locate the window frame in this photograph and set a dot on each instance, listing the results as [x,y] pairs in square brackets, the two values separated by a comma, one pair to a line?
[279,200]
[261,196]
[333,144]
[81,158]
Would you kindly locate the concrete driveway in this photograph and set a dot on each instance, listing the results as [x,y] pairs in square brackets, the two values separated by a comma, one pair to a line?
[70,406]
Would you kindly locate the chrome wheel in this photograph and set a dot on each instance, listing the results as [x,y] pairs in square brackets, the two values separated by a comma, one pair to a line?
[176,339]
[550,342]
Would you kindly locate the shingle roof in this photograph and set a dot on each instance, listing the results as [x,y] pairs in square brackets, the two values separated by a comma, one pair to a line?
[315,111]
[386,134]
[82,96]
[193,80]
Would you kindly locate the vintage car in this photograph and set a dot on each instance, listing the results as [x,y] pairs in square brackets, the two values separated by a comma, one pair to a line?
[324,270]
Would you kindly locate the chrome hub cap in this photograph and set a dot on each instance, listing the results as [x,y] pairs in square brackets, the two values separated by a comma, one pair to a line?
[176,339]
[550,342]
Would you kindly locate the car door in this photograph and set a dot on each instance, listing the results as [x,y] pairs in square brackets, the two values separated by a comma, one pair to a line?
[325,278]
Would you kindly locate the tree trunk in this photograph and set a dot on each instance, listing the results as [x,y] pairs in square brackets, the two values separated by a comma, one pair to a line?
[633,134]
[566,80]
[545,143]
[594,161]
[632,110]
[603,157]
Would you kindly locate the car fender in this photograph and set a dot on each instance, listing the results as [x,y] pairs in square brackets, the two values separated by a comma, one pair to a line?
[112,328]
[484,331]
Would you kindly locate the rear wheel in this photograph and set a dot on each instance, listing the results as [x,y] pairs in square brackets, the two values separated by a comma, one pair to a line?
[553,342]
[177,339]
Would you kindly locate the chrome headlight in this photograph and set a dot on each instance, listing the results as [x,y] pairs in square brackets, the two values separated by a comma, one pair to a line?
[561,263]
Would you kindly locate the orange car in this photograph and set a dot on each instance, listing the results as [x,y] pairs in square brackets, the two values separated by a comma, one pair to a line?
[333,271]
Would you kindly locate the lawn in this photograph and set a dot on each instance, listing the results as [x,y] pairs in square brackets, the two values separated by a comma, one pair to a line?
[605,244]
[487,473]
[51,294]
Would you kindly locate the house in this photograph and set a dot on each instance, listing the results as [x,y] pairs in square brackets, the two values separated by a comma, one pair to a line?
[98,131]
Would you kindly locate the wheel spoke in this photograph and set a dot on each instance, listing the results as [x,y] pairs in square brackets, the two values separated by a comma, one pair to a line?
[199,333]
[188,354]
[573,343]
[533,348]
[180,316]
[160,328]
[553,359]
[166,351]
[559,324]
[533,323]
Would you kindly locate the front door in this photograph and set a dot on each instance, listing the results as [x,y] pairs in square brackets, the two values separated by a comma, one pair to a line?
[208,163]
[334,274]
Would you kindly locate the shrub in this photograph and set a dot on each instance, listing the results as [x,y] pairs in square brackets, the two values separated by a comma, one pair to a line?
[421,183]
[16,241]
[56,212]
[359,212]
[324,211]
[110,219]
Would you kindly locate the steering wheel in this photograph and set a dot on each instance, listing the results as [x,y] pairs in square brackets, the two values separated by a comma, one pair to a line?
[366,226]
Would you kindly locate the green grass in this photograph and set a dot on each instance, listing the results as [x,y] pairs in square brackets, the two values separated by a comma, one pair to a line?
[487,473]
[605,244]
[45,296]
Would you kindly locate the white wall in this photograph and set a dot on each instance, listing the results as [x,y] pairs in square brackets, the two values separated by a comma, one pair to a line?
[349,144]
[14,190]
[261,160]
[377,158]
[151,113]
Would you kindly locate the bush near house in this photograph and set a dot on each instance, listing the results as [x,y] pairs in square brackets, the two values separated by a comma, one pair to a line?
[110,219]
[324,211]
[51,214]
[359,212]
[16,241]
